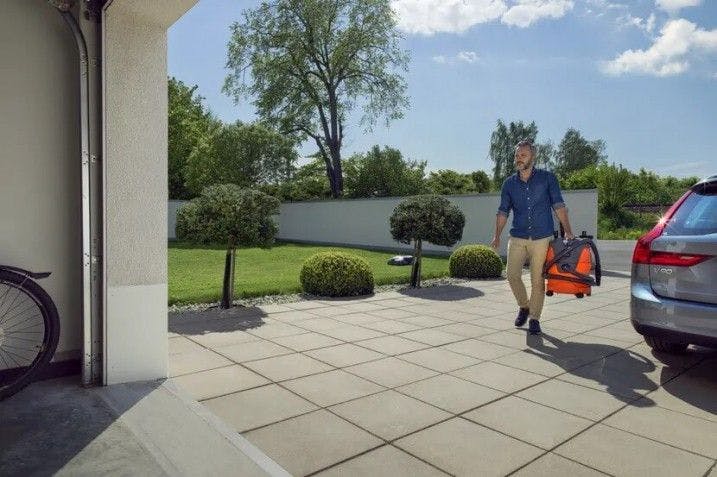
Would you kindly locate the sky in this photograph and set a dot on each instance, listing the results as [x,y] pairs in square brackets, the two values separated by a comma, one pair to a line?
[640,75]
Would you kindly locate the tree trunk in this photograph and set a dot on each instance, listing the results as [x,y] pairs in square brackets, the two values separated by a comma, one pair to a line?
[338,176]
[416,269]
[228,286]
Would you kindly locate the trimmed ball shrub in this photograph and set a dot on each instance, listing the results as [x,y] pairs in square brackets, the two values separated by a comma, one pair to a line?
[475,261]
[336,274]
[226,213]
[426,217]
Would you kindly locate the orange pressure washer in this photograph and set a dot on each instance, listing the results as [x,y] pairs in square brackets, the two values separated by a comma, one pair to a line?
[569,264]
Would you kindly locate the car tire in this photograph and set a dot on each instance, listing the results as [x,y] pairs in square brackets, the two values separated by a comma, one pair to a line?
[659,344]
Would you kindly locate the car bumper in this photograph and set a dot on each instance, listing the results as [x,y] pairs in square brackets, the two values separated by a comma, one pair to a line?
[673,320]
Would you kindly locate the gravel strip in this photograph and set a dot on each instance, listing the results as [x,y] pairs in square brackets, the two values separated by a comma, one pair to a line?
[292,298]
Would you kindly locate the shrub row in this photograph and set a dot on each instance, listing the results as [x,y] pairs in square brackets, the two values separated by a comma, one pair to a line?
[343,274]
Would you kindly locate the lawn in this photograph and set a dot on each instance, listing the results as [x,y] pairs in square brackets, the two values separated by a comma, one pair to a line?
[195,273]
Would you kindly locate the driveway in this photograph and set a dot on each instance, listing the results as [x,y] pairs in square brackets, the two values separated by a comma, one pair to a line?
[438,382]
[616,255]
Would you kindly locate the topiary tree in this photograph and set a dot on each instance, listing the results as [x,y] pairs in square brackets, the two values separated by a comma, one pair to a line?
[336,274]
[426,217]
[228,214]
[475,261]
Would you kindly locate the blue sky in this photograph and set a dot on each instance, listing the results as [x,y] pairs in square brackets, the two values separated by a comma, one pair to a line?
[641,75]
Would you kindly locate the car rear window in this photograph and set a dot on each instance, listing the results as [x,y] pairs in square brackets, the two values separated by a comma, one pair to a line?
[697,215]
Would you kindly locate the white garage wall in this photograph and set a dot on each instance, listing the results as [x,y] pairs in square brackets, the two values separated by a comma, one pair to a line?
[364,222]
[40,161]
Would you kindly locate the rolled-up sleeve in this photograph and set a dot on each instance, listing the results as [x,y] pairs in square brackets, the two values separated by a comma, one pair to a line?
[556,197]
[505,203]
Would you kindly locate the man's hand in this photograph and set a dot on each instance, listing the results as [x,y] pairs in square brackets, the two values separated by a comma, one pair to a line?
[569,236]
[495,243]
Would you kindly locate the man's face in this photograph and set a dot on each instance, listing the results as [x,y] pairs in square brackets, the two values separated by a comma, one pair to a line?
[523,158]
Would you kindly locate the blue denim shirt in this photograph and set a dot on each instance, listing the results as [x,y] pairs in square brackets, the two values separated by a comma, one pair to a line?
[531,203]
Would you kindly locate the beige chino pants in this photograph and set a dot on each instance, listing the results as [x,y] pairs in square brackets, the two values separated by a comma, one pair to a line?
[518,251]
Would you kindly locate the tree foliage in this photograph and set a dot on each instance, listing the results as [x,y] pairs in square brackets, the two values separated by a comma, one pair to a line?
[575,153]
[227,213]
[189,122]
[383,173]
[243,154]
[481,181]
[311,62]
[448,182]
[308,182]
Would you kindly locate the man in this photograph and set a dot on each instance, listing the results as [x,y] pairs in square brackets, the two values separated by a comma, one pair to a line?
[530,193]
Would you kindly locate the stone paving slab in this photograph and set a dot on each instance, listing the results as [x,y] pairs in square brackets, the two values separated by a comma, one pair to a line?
[437,381]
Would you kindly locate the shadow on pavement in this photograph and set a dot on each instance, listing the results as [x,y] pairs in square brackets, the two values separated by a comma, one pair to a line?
[216,320]
[443,293]
[620,372]
[698,385]
[611,273]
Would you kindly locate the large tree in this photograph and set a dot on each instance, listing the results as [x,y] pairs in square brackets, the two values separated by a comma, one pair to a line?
[243,154]
[383,173]
[189,122]
[575,153]
[308,63]
[502,147]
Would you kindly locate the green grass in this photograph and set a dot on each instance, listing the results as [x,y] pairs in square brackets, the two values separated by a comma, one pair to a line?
[195,272]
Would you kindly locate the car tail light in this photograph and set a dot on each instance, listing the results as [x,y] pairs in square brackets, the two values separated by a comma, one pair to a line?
[676,259]
[643,254]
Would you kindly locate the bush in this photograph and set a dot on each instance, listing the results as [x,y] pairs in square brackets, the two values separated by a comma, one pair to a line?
[226,212]
[426,217]
[475,261]
[336,274]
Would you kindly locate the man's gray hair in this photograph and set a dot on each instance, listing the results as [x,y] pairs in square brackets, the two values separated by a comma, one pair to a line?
[529,144]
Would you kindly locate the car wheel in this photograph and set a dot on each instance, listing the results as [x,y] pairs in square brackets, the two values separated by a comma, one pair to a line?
[666,346]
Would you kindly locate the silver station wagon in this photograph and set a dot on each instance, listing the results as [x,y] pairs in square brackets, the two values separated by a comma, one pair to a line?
[674,274]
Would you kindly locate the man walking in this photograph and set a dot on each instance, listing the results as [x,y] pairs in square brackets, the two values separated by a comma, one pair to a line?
[531,194]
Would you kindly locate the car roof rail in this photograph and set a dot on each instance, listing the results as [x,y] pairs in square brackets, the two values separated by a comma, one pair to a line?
[712,178]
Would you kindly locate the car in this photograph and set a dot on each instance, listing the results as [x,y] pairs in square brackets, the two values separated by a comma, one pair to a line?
[673,299]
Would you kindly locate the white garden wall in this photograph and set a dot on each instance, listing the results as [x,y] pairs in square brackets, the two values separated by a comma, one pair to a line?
[364,222]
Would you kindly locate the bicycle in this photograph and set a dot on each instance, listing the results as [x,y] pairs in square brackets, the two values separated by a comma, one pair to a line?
[29,328]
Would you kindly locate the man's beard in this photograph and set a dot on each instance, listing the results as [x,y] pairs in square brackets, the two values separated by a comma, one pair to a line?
[524,166]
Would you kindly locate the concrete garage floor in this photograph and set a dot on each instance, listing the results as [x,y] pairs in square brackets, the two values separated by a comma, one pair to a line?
[439,382]
[56,427]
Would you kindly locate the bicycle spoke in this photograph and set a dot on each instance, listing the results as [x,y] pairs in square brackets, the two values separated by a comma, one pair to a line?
[15,330]
[9,355]
[11,312]
[13,337]
[12,303]
[23,319]
[8,322]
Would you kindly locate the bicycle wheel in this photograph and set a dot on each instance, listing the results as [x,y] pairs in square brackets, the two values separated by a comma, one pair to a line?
[29,330]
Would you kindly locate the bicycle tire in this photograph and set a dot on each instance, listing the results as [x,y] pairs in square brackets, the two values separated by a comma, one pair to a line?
[51,335]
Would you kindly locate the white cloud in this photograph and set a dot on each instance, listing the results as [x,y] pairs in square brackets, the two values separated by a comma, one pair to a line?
[526,12]
[450,16]
[428,17]
[645,24]
[468,56]
[461,57]
[669,54]
[675,5]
